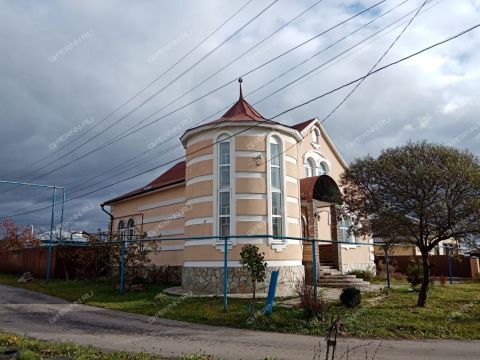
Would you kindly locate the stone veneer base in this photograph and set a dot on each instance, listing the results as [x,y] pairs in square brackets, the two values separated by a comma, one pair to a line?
[209,280]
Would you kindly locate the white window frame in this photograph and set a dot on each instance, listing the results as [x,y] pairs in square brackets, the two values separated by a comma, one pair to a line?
[219,242]
[276,244]
[122,230]
[315,135]
[131,230]
[310,166]
[343,231]
[322,168]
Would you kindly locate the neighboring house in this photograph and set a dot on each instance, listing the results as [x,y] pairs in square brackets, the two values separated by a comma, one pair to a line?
[269,178]
[445,247]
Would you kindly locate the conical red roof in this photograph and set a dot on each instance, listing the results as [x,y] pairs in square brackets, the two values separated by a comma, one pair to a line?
[241,111]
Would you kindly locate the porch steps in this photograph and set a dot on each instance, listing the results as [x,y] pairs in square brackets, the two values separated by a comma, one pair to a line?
[332,278]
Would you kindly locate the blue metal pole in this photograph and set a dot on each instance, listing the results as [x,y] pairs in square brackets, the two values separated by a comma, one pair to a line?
[225,275]
[51,235]
[450,269]
[387,259]
[122,268]
[61,215]
[314,269]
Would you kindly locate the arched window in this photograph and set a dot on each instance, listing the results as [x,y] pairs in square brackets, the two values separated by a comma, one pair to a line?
[322,168]
[276,185]
[309,167]
[315,136]
[223,180]
[121,230]
[131,229]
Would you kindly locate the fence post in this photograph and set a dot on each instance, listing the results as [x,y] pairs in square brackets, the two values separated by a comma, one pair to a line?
[314,269]
[387,259]
[450,269]
[49,260]
[225,274]
[122,268]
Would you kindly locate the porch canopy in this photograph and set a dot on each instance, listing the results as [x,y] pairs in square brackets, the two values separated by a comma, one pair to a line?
[322,188]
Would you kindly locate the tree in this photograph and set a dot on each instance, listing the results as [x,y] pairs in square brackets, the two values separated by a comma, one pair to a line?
[423,193]
[254,262]
[15,237]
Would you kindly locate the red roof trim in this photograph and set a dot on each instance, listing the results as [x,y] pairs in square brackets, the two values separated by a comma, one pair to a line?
[174,175]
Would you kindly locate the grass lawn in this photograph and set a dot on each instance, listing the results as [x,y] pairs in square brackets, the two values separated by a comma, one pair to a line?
[35,350]
[451,311]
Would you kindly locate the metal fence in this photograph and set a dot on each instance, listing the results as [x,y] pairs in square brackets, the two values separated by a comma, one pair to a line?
[122,247]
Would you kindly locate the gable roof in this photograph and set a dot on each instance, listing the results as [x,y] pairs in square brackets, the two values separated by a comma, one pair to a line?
[174,175]
[302,125]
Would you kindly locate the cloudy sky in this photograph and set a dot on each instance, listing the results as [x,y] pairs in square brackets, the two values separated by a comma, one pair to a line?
[65,66]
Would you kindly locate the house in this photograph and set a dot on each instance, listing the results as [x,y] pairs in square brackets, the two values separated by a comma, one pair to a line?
[245,175]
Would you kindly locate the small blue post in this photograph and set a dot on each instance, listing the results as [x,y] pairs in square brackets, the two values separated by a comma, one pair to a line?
[271,292]
[122,268]
[450,269]
[314,269]
[387,259]
[225,275]
[47,278]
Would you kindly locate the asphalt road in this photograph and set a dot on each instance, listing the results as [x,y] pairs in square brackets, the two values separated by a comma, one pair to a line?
[26,312]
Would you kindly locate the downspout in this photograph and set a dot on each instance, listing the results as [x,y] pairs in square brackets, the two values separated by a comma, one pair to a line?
[111,219]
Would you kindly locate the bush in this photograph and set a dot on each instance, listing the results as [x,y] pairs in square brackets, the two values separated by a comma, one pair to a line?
[312,308]
[350,297]
[362,274]
[414,274]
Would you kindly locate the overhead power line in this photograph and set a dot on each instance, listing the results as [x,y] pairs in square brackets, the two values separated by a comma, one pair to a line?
[83,183]
[145,87]
[118,138]
[277,115]
[191,67]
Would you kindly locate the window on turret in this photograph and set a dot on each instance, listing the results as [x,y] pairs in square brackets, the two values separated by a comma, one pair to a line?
[276,186]
[224,188]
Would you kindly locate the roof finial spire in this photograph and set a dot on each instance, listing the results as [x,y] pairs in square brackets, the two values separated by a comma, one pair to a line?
[240,80]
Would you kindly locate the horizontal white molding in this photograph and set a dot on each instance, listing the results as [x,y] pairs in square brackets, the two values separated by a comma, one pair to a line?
[292,220]
[236,264]
[291,179]
[168,217]
[166,232]
[292,200]
[200,159]
[245,240]
[250,175]
[199,199]
[199,221]
[290,159]
[249,154]
[257,218]
[198,179]
[245,196]
[177,200]
[171,247]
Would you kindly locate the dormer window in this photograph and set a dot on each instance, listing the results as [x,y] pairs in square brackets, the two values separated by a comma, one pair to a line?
[315,135]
